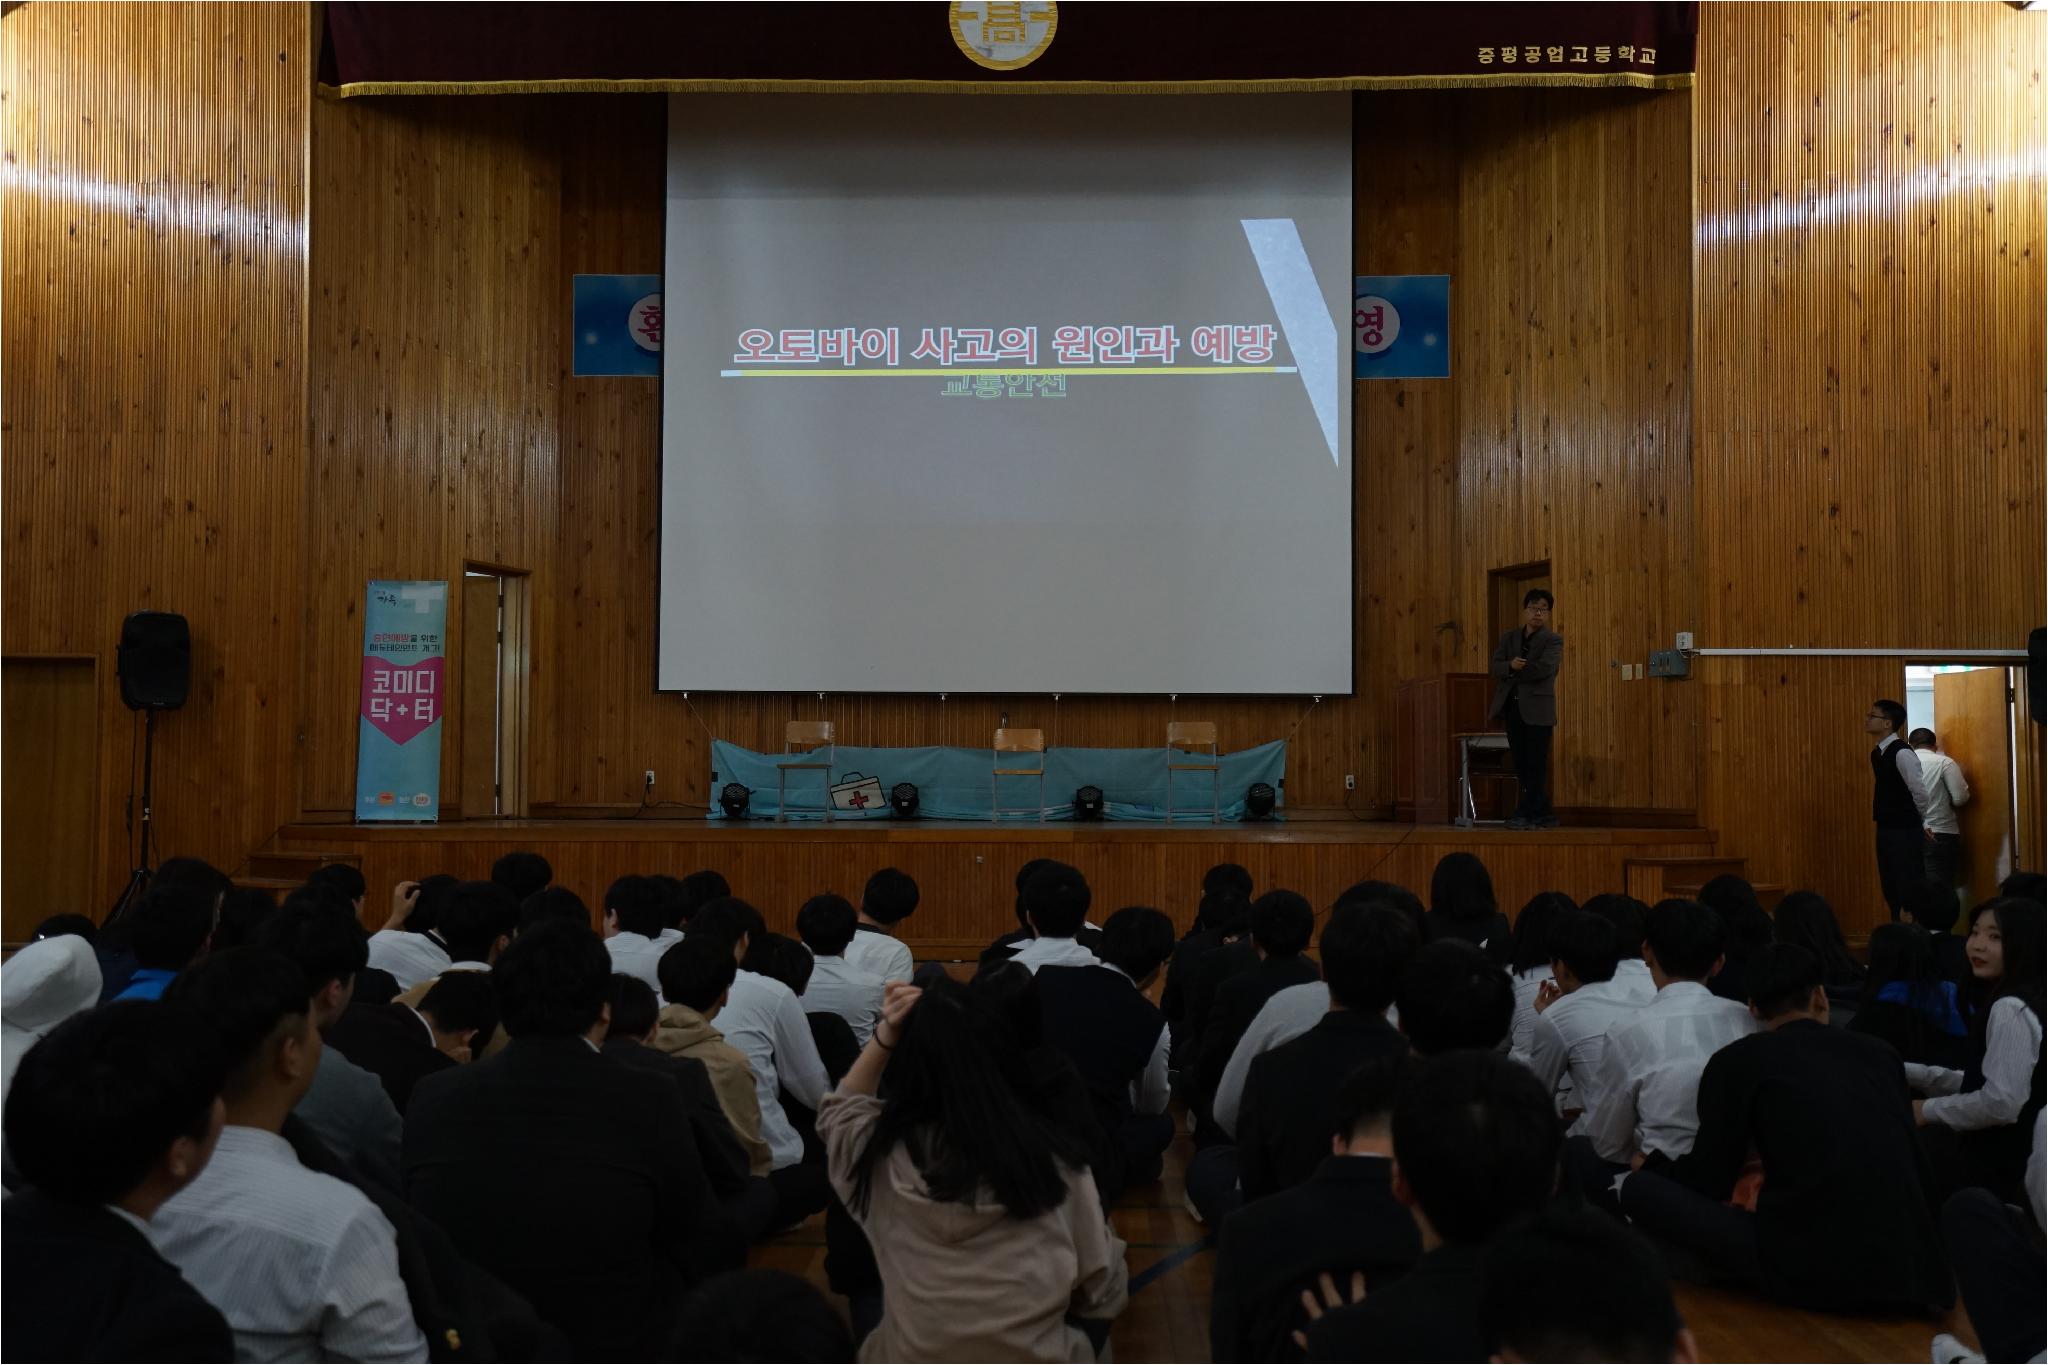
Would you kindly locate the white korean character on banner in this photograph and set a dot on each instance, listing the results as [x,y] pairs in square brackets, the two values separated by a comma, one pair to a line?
[1073,345]
[1254,345]
[935,344]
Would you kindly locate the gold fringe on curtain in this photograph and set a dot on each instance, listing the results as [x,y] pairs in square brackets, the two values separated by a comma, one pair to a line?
[1631,80]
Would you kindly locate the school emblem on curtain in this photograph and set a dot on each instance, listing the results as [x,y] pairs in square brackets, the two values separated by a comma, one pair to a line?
[1003,36]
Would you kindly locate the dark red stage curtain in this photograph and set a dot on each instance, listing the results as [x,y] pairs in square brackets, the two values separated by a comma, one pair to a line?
[396,49]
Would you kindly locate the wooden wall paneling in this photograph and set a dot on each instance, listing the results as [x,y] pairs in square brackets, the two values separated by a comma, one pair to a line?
[153,274]
[1869,390]
[51,801]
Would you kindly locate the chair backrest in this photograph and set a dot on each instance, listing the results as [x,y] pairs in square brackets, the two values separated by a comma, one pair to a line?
[1014,741]
[1191,734]
[801,735]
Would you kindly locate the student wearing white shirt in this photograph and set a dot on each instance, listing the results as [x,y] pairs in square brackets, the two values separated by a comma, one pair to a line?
[632,926]
[1648,1081]
[1942,778]
[408,946]
[1055,902]
[303,1266]
[826,925]
[764,1020]
[1574,1014]
[1529,961]
[888,899]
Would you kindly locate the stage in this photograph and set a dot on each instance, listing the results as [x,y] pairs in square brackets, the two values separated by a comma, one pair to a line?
[965,870]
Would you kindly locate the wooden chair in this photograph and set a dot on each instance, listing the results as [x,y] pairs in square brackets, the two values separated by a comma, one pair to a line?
[1490,750]
[1190,736]
[1009,741]
[801,742]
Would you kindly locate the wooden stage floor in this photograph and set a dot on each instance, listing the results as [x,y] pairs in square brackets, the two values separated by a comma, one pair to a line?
[1171,1262]
[966,870]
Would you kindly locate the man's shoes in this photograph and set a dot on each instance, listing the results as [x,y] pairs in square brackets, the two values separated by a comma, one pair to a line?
[1544,822]
[1517,822]
[1949,1351]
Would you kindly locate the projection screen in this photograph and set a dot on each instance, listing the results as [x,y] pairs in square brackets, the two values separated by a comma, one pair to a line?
[1007,394]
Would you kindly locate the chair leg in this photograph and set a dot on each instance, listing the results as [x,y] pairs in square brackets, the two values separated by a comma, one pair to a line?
[781,797]
[994,816]
[1216,796]
[1041,794]
[1169,789]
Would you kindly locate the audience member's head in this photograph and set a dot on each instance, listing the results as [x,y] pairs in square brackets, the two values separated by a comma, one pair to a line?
[779,958]
[195,873]
[240,913]
[1366,946]
[1887,717]
[1282,923]
[1476,1141]
[1228,877]
[1056,901]
[1683,941]
[1400,897]
[1900,953]
[701,888]
[325,897]
[1532,929]
[889,897]
[120,1105]
[753,1317]
[554,903]
[1745,923]
[41,986]
[826,924]
[1009,992]
[2006,949]
[956,1070]
[1921,738]
[1805,918]
[478,921]
[1451,996]
[674,899]
[1627,916]
[427,905]
[171,925]
[522,874]
[1933,905]
[1784,982]
[255,1003]
[553,983]
[1137,940]
[634,1009]
[1365,1106]
[731,921]
[1225,914]
[462,1010]
[1461,889]
[2026,886]
[344,878]
[1024,875]
[1573,1284]
[632,905]
[327,945]
[78,926]
[697,972]
[1582,951]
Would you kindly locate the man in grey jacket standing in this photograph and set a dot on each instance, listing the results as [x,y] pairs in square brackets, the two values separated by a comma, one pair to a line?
[1524,669]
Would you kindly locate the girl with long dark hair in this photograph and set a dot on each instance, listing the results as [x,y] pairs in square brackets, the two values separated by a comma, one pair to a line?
[981,1210]
[1907,1001]
[1530,961]
[1806,919]
[1980,1120]
[1461,905]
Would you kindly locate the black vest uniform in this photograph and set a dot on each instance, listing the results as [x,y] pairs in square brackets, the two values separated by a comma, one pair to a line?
[1891,800]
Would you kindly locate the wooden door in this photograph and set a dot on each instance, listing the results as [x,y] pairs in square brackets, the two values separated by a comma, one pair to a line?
[479,727]
[47,828]
[2030,762]
[1972,722]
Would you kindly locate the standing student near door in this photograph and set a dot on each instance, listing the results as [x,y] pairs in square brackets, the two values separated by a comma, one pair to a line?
[1946,789]
[1524,670]
[1898,803]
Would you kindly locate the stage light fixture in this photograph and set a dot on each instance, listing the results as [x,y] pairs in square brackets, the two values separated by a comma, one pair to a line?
[903,800]
[733,799]
[1258,801]
[1088,803]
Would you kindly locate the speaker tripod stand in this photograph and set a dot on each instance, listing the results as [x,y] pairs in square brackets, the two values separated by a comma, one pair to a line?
[138,879]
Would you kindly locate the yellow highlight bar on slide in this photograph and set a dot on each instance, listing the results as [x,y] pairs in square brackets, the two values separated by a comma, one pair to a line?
[1084,372]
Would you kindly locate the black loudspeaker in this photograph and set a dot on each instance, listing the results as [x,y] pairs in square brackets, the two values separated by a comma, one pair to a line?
[2037,675]
[155,661]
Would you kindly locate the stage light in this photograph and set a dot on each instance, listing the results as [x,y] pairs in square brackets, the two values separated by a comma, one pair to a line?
[1258,801]
[1088,803]
[903,800]
[733,799]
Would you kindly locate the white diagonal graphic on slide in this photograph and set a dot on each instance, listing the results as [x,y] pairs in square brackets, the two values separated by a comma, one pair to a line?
[1304,317]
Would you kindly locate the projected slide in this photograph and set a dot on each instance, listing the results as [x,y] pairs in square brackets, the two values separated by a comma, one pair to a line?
[1007,394]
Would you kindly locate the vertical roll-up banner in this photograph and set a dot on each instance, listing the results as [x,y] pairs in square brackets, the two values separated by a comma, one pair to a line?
[398,754]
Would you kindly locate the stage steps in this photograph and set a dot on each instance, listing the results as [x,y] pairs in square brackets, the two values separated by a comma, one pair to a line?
[281,871]
[1651,880]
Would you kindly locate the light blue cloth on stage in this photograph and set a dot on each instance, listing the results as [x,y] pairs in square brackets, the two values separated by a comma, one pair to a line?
[953,784]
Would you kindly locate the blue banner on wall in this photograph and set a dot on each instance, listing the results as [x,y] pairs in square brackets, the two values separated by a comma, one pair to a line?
[1401,327]
[618,324]
[398,750]
[953,783]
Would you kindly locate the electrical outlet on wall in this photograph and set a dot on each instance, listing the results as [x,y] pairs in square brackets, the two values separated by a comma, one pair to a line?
[1684,640]
[1350,782]
[650,779]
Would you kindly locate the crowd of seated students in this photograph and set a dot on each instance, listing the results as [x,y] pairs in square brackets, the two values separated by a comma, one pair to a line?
[504,1127]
